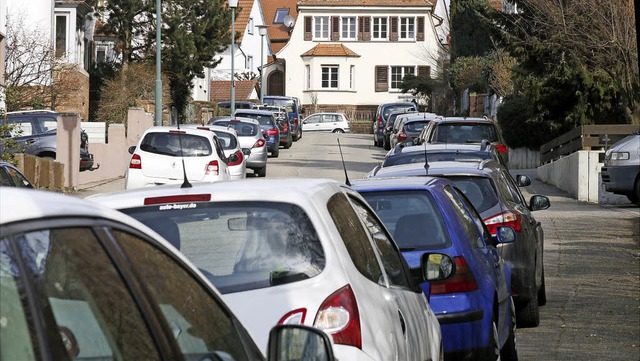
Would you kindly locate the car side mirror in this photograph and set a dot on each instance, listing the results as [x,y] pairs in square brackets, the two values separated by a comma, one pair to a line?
[232,158]
[132,149]
[298,342]
[246,151]
[523,180]
[436,266]
[538,202]
[505,234]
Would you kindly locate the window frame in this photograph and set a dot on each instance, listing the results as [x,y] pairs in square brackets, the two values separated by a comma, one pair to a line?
[332,75]
[321,25]
[351,22]
[404,71]
[407,28]
[380,22]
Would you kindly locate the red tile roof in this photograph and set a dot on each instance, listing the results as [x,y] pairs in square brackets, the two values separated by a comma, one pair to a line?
[221,89]
[241,15]
[330,50]
[278,33]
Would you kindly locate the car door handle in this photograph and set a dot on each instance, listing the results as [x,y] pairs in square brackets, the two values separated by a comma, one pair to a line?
[403,325]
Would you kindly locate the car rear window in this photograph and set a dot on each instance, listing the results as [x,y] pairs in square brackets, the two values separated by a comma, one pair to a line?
[419,157]
[242,128]
[415,127]
[240,246]
[397,108]
[412,217]
[227,140]
[479,190]
[176,144]
[263,119]
[465,133]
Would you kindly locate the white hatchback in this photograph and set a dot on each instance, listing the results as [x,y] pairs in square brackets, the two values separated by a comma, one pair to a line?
[316,255]
[164,155]
[328,122]
[228,138]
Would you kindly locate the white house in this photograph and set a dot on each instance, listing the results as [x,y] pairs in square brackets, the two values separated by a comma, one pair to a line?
[248,49]
[346,54]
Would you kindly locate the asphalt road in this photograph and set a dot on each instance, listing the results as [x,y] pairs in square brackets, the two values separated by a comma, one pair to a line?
[591,256]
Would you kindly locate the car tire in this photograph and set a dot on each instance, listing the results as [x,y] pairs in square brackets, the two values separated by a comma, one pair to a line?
[542,291]
[275,152]
[386,144]
[289,142]
[261,172]
[635,197]
[492,351]
[528,315]
[509,351]
[337,131]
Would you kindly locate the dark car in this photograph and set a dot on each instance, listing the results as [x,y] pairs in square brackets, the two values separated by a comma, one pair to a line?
[295,109]
[79,281]
[497,197]
[35,132]
[269,127]
[475,308]
[382,115]
[281,115]
[10,176]
[465,130]
[389,126]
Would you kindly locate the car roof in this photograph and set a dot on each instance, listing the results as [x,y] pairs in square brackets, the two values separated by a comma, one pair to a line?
[300,191]
[465,120]
[187,130]
[437,147]
[211,127]
[396,183]
[486,167]
[238,119]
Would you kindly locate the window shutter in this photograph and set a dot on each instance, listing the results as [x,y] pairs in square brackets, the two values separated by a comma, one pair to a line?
[361,28]
[394,28]
[307,28]
[367,29]
[424,71]
[335,28]
[420,36]
[382,78]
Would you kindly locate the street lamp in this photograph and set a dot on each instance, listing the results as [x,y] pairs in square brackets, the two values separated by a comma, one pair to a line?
[262,30]
[158,94]
[233,4]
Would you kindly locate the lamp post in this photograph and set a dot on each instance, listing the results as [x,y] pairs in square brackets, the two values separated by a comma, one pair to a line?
[262,30]
[158,94]
[233,4]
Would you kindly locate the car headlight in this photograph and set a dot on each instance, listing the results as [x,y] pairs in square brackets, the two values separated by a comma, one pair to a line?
[619,155]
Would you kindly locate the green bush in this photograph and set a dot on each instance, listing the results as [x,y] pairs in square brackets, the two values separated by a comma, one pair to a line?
[518,127]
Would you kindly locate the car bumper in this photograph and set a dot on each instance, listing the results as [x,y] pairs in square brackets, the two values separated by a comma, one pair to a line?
[620,179]
[520,258]
[273,143]
[257,159]
[135,179]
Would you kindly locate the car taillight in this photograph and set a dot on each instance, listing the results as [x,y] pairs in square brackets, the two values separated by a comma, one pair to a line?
[338,316]
[212,168]
[380,122]
[285,127]
[178,199]
[501,148]
[260,143]
[295,121]
[295,317]
[136,162]
[271,132]
[462,280]
[503,219]
[402,136]
[240,158]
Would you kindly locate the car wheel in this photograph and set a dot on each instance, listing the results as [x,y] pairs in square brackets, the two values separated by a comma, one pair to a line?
[386,144]
[289,142]
[276,152]
[262,172]
[529,314]
[509,351]
[338,131]
[635,197]
[542,291]
[492,351]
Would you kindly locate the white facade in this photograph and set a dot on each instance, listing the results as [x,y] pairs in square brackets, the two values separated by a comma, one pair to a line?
[356,75]
[246,54]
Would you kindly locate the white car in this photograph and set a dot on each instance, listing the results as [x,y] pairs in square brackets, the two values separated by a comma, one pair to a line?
[165,154]
[315,255]
[228,138]
[250,136]
[103,286]
[328,122]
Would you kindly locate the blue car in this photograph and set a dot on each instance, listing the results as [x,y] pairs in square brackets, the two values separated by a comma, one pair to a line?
[269,127]
[474,306]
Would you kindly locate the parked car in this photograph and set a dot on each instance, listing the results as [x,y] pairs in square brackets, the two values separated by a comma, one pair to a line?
[328,122]
[475,308]
[239,104]
[83,282]
[407,127]
[250,137]
[166,154]
[228,138]
[436,152]
[293,106]
[382,115]
[35,132]
[269,127]
[389,126]
[497,197]
[621,171]
[10,176]
[281,116]
[465,130]
[315,254]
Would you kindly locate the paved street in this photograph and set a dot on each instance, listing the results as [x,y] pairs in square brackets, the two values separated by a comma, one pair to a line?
[592,255]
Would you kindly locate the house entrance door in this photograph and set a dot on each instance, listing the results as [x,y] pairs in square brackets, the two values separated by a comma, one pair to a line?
[275,83]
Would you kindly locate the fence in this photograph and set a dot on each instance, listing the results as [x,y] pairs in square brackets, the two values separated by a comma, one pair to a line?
[586,137]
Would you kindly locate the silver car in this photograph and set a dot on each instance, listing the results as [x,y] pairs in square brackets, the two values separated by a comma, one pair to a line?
[228,138]
[621,171]
[250,137]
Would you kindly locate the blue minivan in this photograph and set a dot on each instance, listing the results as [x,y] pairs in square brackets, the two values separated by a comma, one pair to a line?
[293,107]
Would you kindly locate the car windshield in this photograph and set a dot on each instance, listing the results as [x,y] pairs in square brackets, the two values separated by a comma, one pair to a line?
[465,133]
[479,190]
[176,144]
[412,217]
[240,246]
[285,103]
[242,128]
[447,156]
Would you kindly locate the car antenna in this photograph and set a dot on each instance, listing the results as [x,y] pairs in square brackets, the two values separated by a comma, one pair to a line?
[426,162]
[346,177]
[185,183]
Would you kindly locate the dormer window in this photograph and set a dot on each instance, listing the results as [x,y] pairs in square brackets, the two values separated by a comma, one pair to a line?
[280,15]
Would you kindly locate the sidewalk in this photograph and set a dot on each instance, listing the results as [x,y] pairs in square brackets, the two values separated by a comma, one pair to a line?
[102,186]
